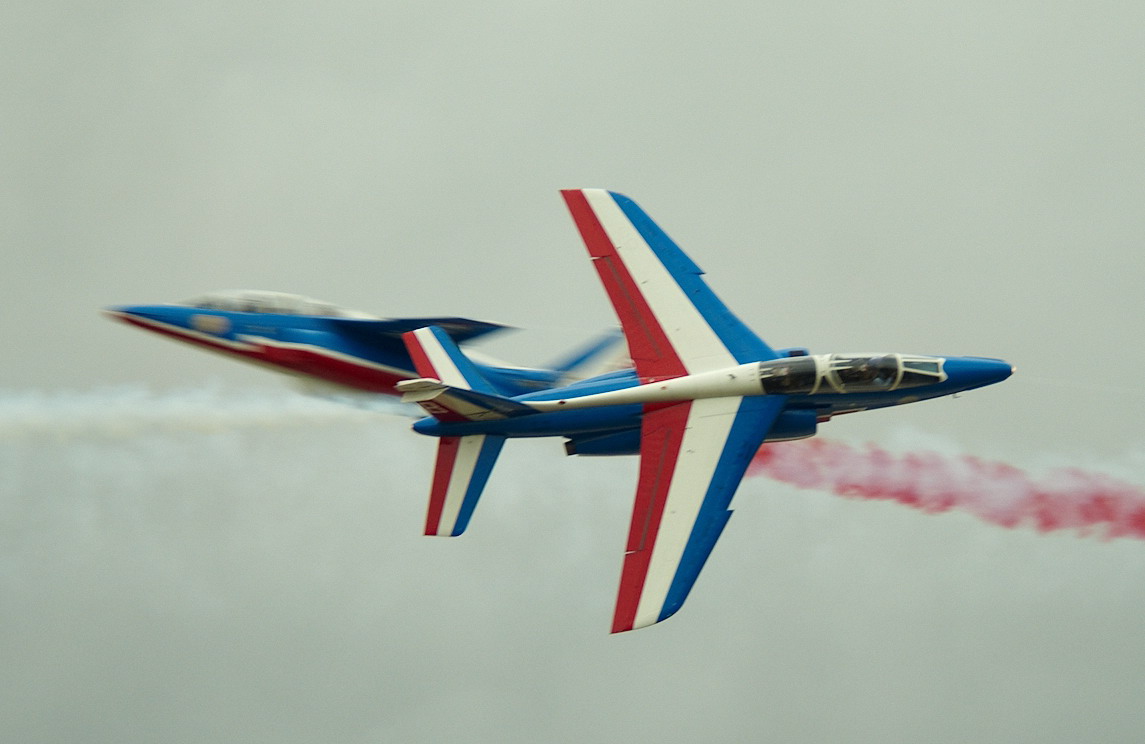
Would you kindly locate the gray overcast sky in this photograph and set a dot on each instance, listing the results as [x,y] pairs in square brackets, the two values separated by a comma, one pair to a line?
[962,178]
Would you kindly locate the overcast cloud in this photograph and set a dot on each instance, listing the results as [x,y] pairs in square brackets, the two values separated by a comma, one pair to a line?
[237,565]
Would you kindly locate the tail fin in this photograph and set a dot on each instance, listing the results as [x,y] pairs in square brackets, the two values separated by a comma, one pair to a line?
[452,388]
[436,356]
[460,474]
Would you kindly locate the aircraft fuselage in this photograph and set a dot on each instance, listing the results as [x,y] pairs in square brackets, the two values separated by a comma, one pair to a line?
[815,388]
[312,341]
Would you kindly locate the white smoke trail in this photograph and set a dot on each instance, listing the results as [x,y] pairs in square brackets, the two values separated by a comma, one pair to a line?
[124,412]
[250,567]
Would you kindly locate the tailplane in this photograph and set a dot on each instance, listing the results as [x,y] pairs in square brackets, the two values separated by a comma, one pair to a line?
[453,404]
[459,476]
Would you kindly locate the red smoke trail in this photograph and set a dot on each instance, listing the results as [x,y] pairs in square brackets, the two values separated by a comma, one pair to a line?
[1065,499]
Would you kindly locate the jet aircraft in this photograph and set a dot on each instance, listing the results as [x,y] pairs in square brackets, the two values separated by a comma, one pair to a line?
[330,350]
[703,394]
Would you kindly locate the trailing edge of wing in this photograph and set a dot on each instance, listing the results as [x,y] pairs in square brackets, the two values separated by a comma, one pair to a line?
[673,322]
[692,458]
[460,473]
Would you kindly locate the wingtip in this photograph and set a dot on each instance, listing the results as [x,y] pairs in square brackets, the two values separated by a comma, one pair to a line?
[433,529]
[620,626]
[566,193]
[624,626]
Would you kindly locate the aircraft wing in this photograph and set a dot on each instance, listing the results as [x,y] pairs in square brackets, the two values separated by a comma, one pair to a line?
[692,458]
[674,324]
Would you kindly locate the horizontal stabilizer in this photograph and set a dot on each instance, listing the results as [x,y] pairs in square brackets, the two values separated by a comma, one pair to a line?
[460,473]
[453,404]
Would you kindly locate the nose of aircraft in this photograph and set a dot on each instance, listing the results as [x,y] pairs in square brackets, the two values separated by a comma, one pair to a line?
[138,315]
[125,312]
[972,372]
[121,312]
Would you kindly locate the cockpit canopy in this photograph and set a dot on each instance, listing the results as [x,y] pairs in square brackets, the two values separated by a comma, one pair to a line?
[855,373]
[261,301]
[848,373]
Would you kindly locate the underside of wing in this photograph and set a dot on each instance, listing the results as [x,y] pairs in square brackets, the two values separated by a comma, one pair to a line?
[692,458]
[673,322]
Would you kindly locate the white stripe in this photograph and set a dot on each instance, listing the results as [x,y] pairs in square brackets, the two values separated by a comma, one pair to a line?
[465,462]
[692,337]
[447,371]
[709,423]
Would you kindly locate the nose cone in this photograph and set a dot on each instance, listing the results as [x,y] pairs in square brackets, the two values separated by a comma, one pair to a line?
[159,318]
[966,373]
[134,314]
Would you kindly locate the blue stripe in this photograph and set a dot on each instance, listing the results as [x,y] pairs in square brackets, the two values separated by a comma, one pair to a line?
[490,448]
[753,419]
[739,340]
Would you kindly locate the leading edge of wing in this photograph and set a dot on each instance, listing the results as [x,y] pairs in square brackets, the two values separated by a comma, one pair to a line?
[673,322]
[693,456]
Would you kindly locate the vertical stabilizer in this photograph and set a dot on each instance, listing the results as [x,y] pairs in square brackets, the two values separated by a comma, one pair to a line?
[451,387]
[436,356]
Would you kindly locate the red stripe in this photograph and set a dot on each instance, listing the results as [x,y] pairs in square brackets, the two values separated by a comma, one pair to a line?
[417,353]
[652,353]
[661,434]
[447,448]
[436,407]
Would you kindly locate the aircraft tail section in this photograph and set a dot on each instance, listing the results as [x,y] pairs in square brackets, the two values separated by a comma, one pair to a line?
[452,388]
[452,404]
[436,356]
[460,473]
